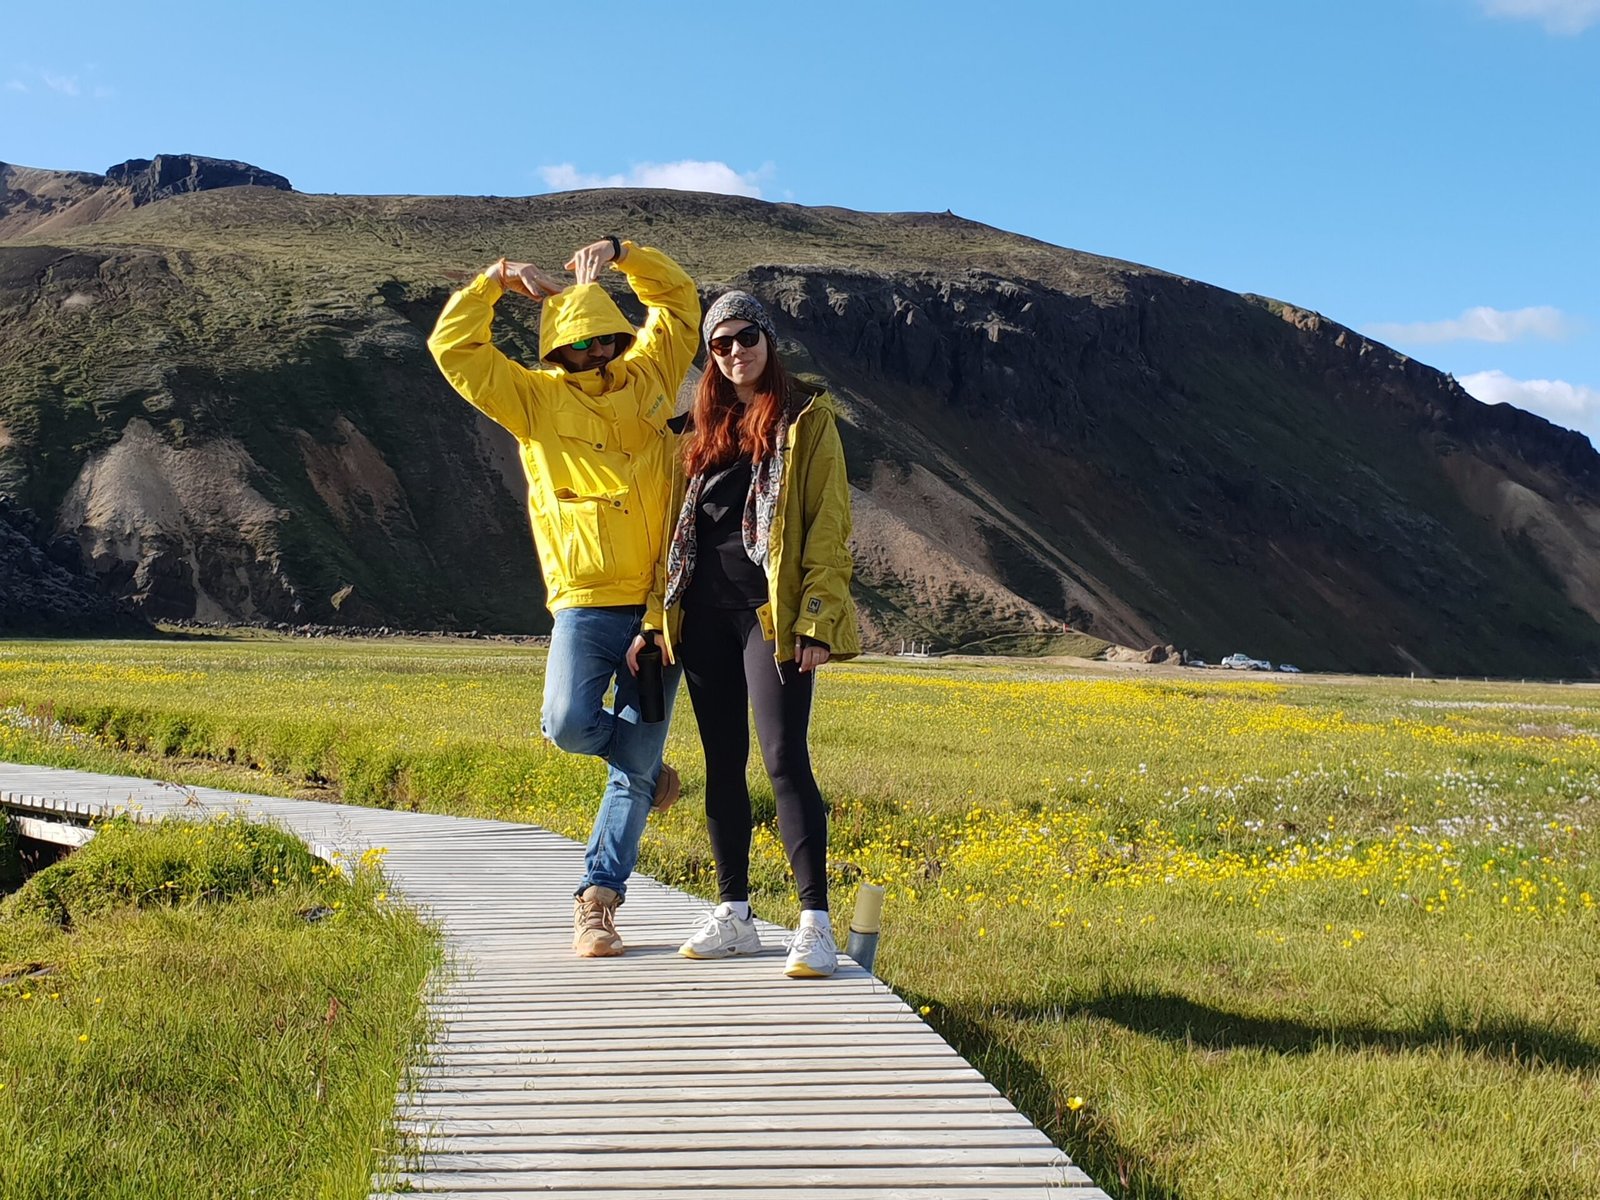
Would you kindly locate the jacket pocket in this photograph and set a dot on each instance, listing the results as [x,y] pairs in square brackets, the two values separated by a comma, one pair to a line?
[582,427]
[584,550]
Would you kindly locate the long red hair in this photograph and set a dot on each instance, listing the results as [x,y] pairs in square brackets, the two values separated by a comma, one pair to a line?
[719,432]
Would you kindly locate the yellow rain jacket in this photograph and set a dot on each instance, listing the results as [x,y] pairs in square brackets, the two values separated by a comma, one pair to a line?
[595,446]
[808,560]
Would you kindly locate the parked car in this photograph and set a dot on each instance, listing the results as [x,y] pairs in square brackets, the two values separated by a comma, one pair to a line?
[1289,667]
[1243,662]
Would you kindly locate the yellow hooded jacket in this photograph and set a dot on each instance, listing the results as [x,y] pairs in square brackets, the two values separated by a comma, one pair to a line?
[594,444]
[808,560]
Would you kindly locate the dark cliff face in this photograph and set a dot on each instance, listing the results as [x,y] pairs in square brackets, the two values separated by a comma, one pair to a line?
[167,175]
[1036,437]
[1239,472]
[44,588]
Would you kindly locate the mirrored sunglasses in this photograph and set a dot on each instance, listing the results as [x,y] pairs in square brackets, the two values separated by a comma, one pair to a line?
[603,339]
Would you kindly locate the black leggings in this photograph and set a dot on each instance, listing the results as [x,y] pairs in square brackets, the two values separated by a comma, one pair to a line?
[730,670]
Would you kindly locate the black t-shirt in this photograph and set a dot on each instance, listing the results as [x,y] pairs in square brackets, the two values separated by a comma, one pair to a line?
[724,576]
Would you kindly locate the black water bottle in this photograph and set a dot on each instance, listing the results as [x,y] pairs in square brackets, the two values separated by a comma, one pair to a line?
[652,693]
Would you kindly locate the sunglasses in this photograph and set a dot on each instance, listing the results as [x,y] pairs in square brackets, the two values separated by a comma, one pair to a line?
[604,339]
[723,346]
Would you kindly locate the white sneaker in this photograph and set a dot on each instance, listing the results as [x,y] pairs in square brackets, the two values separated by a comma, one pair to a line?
[812,954]
[722,934]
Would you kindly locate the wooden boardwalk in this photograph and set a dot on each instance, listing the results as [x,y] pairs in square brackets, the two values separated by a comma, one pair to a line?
[646,1077]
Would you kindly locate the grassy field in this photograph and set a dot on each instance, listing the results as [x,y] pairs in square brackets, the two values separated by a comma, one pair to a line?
[1219,937]
[202,1009]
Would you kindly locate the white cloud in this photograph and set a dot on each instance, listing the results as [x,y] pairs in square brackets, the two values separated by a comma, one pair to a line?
[1482,325]
[1565,18]
[67,85]
[690,175]
[83,84]
[1567,404]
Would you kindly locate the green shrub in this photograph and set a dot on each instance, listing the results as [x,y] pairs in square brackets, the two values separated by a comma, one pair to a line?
[176,862]
[177,1045]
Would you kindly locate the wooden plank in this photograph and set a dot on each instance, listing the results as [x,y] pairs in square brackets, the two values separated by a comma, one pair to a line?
[993,1191]
[621,1071]
[689,1006]
[707,1046]
[667,1051]
[929,1091]
[773,1161]
[763,978]
[782,1180]
[586,1141]
[882,1111]
[619,988]
[552,1025]
[645,1075]
[636,1122]
[58,833]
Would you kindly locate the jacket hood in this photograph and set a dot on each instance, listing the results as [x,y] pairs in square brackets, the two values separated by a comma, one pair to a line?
[583,311]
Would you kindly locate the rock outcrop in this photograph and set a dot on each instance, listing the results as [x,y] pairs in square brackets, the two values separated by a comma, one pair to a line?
[44,586]
[180,533]
[152,179]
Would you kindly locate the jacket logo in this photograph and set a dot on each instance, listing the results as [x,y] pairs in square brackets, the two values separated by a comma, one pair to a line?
[813,606]
[660,400]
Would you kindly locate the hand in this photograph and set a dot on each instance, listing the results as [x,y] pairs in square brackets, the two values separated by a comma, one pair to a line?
[639,644]
[810,655]
[585,263]
[527,279]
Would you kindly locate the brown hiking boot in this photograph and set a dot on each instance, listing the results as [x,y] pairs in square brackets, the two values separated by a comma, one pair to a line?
[668,785]
[594,923]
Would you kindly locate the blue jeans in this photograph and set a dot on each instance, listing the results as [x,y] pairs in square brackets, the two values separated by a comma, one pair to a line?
[588,649]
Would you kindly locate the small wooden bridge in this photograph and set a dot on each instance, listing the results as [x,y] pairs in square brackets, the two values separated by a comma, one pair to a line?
[646,1077]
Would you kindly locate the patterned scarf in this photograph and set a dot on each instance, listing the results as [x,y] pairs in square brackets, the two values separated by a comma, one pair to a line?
[760,506]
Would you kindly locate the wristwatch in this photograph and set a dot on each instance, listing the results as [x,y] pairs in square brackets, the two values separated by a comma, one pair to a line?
[616,246]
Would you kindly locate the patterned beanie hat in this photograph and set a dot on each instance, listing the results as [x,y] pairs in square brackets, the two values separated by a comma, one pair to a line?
[738,306]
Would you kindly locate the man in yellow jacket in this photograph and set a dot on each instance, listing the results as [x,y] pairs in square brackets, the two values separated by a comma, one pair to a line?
[591,425]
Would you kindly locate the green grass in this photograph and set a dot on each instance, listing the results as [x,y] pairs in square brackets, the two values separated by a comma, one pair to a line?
[203,1010]
[1218,937]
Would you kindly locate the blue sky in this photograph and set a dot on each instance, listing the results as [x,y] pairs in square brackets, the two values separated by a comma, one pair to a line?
[1427,171]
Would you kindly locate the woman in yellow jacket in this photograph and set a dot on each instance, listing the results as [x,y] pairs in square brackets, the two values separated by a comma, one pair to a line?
[753,597]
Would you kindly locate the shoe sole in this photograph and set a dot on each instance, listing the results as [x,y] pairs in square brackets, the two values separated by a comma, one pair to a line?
[688,953]
[598,953]
[804,972]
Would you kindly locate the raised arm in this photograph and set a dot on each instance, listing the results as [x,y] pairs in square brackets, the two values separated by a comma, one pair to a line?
[671,332]
[462,343]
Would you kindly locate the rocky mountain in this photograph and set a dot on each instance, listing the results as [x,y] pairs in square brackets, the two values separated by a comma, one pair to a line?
[222,394]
